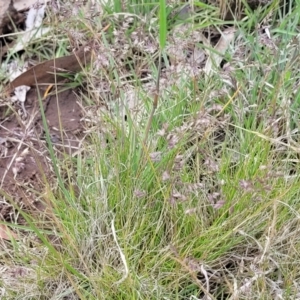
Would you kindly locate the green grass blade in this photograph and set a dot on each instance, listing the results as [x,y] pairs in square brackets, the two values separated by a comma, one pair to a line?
[162,24]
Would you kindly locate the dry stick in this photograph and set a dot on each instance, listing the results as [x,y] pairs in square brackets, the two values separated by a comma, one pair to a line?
[155,102]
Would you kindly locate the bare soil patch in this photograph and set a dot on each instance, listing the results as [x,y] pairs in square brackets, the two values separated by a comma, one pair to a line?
[25,166]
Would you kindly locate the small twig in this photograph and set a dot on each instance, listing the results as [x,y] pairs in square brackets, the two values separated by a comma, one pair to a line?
[123,258]
[155,102]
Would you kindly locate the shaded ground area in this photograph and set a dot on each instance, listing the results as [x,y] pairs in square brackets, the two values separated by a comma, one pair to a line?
[25,165]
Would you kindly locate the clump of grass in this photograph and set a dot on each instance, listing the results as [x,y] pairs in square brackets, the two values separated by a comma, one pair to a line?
[208,210]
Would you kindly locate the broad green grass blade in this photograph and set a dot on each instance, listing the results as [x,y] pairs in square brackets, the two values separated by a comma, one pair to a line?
[162,24]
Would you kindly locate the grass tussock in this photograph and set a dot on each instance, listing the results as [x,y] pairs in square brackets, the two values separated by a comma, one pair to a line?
[207,205]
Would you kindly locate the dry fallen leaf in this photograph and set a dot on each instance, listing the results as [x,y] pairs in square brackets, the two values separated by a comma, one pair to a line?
[49,72]
[25,4]
[7,15]
[33,29]
[216,56]
[20,91]
[6,233]
[4,7]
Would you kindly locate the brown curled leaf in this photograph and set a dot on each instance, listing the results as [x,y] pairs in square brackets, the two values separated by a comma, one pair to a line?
[51,71]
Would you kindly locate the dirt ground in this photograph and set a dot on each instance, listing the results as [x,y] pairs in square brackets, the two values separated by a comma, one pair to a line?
[25,165]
